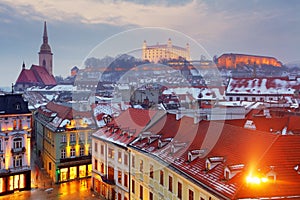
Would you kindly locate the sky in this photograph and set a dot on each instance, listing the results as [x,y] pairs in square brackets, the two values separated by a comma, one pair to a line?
[76,28]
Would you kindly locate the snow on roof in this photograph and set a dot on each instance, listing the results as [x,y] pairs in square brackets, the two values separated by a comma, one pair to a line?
[279,85]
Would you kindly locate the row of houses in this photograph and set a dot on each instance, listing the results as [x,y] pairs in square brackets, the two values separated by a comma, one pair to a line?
[146,154]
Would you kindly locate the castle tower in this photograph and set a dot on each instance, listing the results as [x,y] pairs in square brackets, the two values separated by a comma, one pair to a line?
[45,54]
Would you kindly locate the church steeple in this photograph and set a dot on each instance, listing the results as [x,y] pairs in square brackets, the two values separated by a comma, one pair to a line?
[45,36]
[45,54]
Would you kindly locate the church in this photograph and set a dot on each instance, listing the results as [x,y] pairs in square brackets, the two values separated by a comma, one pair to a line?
[38,75]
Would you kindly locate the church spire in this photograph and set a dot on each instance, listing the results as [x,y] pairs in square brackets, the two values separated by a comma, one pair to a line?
[45,54]
[45,36]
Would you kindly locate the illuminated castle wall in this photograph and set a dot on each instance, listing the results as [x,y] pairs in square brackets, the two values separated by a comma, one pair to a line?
[167,51]
[233,60]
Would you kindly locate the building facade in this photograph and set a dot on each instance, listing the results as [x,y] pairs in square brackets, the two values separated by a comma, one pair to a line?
[155,53]
[63,138]
[110,155]
[233,60]
[15,137]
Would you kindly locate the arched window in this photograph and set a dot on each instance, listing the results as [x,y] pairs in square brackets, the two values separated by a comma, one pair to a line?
[44,63]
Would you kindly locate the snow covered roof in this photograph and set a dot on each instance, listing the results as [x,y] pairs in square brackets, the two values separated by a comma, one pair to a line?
[280,85]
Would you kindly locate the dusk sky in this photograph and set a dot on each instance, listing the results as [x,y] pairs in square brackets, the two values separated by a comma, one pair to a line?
[268,27]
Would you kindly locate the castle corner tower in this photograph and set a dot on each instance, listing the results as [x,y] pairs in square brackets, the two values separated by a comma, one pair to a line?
[45,54]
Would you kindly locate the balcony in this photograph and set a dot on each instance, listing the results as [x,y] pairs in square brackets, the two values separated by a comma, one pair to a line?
[81,160]
[107,180]
[18,150]
[19,169]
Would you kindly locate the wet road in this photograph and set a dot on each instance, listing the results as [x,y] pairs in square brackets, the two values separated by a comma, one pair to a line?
[66,191]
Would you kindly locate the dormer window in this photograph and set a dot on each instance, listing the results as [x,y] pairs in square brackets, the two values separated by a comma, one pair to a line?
[232,170]
[18,106]
[272,175]
[177,146]
[212,162]
[193,154]
[162,142]
[250,125]
[153,138]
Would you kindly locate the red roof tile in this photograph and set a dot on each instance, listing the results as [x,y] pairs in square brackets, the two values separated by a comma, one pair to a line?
[26,76]
[254,149]
[36,75]
[127,126]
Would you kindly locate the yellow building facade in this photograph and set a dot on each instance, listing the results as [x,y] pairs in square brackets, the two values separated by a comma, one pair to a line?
[153,179]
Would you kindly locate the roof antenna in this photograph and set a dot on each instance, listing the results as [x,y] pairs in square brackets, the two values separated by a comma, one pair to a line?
[12,88]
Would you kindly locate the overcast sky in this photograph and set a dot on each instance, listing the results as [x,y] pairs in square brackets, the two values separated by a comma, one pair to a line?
[75,28]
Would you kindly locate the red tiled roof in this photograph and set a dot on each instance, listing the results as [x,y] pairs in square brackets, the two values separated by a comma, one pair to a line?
[26,76]
[36,75]
[269,85]
[43,75]
[255,149]
[127,126]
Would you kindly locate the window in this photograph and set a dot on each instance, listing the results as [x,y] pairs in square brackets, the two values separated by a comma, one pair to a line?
[133,161]
[102,168]
[170,183]
[18,106]
[238,98]
[96,164]
[72,137]
[81,151]
[179,190]
[125,159]
[150,196]
[95,147]
[110,153]
[141,192]
[119,196]
[246,98]
[253,99]
[90,150]
[151,171]
[102,149]
[119,177]
[17,143]
[17,161]
[125,180]
[191,194]
[72,152]
[119,156]
[141,165]
[133,186]
[63,153]
[49,165]
[230,98]
[63,139]
[161,177]
[0,145]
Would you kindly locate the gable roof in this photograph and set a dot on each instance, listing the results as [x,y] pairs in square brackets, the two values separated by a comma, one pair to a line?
[43,75]
[36,75]
[26,76]
[127,126]
[59,115]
